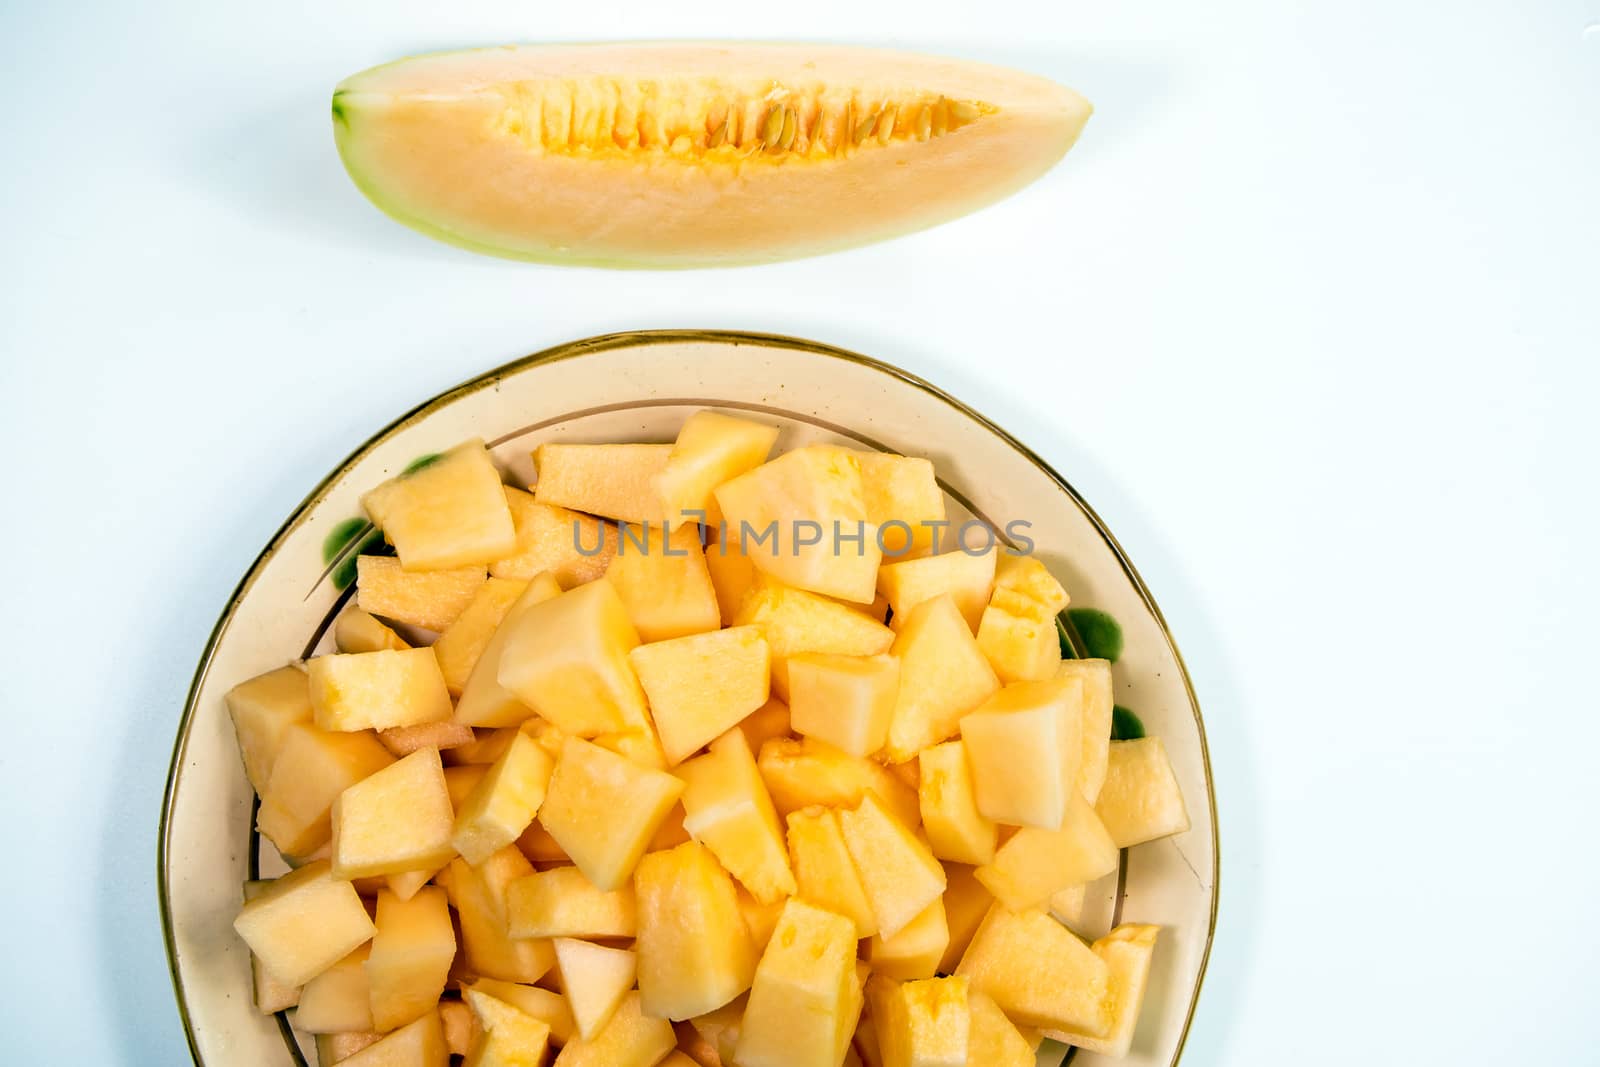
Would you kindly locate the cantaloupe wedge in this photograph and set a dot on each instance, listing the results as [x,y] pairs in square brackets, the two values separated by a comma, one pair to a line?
[679,155]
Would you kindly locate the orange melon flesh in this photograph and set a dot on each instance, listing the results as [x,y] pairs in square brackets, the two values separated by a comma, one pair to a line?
[686,155]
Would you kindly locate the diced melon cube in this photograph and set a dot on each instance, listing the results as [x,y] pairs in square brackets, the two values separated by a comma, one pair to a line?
[478,895]
[572,547]
[1140,800]
[567,659]
[695,952]
[711,448]
[921,1024]
[450,513]
[262,710]
[429,599]
[760,919]
[1066,905]
[464,640]
[796,621]
[460,781]
[663,581]
[916,950]
[943,676]
[312,769]
[966,902]
[1098,703]
[1018,629]
[340,1048]
[994,1041]
[804,1002]
[270,995]
[802,519]
[542,1004]
[732,573]
[504,802]
[800,773]
[561,902]
[406,884]
[397,819]
[510,1037]
[304,923]
[1038,971]
[616,481]
[404,740]
[770,720]
[411,956]
[966,576]
[630,1039]
[897,870]
[537,844]
[902,489]
[358,631]
[603,808]
[1033,865]
[825,875]
[1127,951]
[594,980]
[484,701]
[956,830]
[417,1044]
[1024,744]
[461,1029]
[365,690]
[703,685]
[727,807]
[847,701]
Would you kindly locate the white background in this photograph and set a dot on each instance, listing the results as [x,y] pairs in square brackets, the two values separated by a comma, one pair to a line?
[1309,316]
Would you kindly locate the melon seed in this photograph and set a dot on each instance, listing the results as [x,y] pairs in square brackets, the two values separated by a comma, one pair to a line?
[772,127]
[864,127]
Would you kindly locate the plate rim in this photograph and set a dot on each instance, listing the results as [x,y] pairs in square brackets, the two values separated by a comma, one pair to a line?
[642,339]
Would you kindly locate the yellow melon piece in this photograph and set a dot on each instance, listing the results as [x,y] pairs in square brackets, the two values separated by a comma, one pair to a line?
[732,573]
[703,685]
[270,995]
[449,513]
[365,690]
[523,151]
[992,1039]
[1018,629]
[406,884]
[484,701]
[602,809]
[897,870]
[444,735]
[967,577]
[924,1023]
[567,659]
[338,1048]
[510,1037]
[616,481]
[1038,971]
[916,950]
[1127,951]
[1140,800]
[956,830]
[1033,865]
[312,769]
[464,639]
[304,923]
[358,631]
[542,1004]
[760,919]
[429,599]
[594,979]
[1024,744]
[966,902]
[727,807]
[846,701]
[504,802]
[824,873]
[537,844]
[460,1026]
[1098,703]
[417,1044]
[711,448]
[800,773]
[262,710]
[561,902]
[719,1029]
[943,676]
[411,956]
[804,1001]
[397,819]
[479,897]
[663,581]
[769,721]
[801,518]
[902,489]
[695,951]
[629,1039]
[796,621]
[572,547]
[1066,905]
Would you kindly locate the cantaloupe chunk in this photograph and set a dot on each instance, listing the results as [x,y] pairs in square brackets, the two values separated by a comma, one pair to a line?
[1024,744]
[339,1048]
[1038,972]
[1066,905]
[727,807]
[461,1029]
[358,631]
[478,895]
[464,639]
[397,819]
[967,576]
[966,902]
[417,1044]
[1098,704]
[459,782]
[825,875]
[695,951]
[759,919]
[411,956]
[1018,629]
[993,1040]
[484,701]
[804,1001]
[802,519]
[732,573]
[567,659]
[769,721]
[1033,865]
[629,1039]
[1140,800]
[902,489]
[561,902]
[602,810]
[616,481]
[594,979]
[312,769]
[943,676]
[429,599]
[1127,951]
[270,995]
[304,923]
[443,735]
[366,690]
[450,513]
[846,701]
[662,578]
[406,884]
[570,546]
[956,830]
[924,1023]
[897,870]
[510,1037]
[800,773]
[548,1007]
[262,710]
[796,621]
[711,448]
[916,950]
[504,802]
[703,685]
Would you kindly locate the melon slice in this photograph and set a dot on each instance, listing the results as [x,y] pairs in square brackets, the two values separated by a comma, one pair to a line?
[681,155]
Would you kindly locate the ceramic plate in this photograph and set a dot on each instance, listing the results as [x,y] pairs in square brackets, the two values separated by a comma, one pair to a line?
[640,386]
